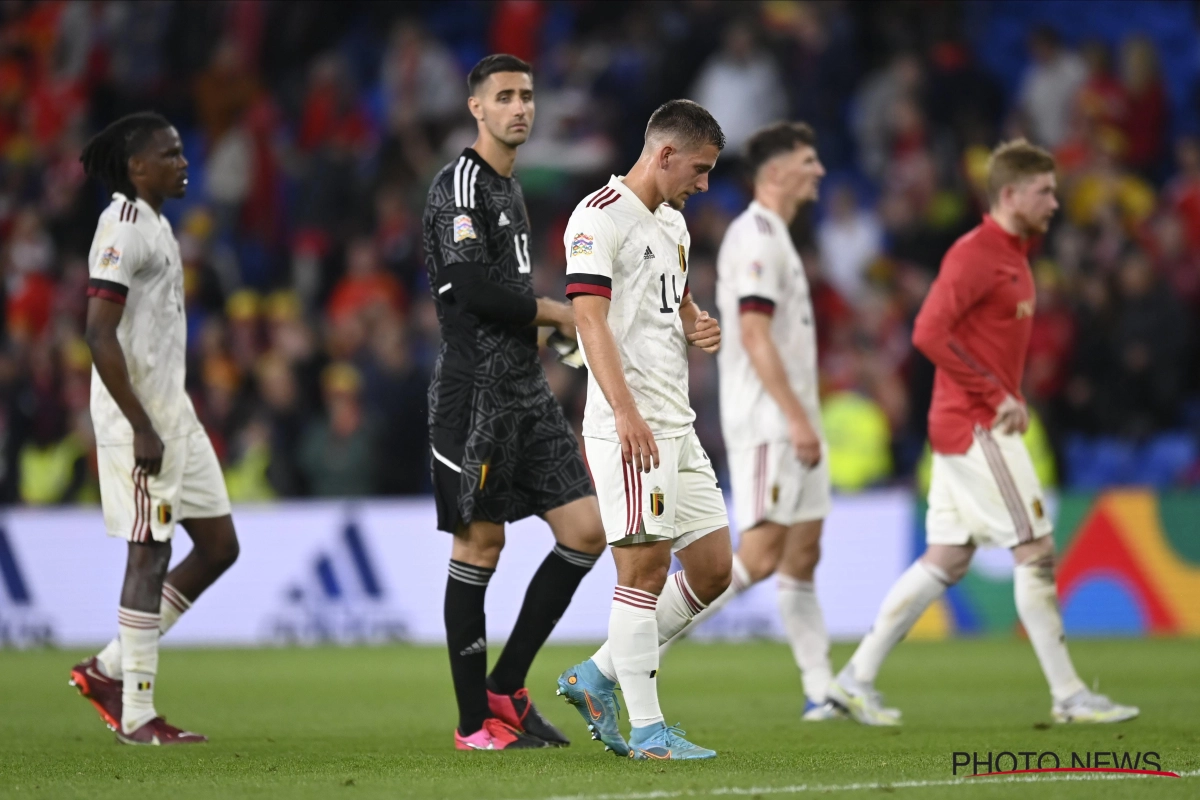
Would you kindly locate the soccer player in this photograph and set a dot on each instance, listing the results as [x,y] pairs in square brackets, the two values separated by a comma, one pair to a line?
[157,466]
[627,259]
[770,412]
[975,326]
[502,449]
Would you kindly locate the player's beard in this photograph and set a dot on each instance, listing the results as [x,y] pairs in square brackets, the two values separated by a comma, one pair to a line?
[1035,226]
[509,138]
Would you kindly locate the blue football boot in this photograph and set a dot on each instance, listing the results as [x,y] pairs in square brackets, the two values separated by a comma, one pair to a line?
[594,697]
[660,743]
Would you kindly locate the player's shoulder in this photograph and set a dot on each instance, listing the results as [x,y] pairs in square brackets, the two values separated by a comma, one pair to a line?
[128,219]
[599,209]
[969,246]
[752,230]
[463,183]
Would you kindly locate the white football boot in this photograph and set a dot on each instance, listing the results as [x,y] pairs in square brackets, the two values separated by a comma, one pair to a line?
[1088,706]
[860,700]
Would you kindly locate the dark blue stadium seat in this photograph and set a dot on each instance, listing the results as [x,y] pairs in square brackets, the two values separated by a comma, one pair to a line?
[1164,459]
[1101,462]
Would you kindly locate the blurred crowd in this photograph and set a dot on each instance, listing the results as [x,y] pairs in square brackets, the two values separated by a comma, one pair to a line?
[313,129]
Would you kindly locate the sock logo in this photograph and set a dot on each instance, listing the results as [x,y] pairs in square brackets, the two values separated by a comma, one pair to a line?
[143,686]
[653,673]
[475,648]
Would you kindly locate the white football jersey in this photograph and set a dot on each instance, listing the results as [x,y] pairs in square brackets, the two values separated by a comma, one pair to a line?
[617,248]
[759,269]
[135,261]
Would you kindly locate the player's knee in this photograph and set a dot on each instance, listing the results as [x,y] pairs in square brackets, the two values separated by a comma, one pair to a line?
[149,558]
[802,560]
[759,564]
[226,552]
[710,585]
[644,577]
[217,544]
[586,539]
[1037,553]
[948,571]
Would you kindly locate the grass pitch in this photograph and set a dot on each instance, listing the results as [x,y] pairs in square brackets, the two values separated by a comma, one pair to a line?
[376,722]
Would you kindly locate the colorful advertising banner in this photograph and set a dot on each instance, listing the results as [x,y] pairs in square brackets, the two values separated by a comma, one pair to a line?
[375,571]
[1128,565]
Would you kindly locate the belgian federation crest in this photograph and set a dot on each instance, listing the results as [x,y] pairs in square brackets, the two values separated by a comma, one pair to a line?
[658,502]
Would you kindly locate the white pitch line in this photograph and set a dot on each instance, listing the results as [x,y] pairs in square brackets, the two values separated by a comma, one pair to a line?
[663,794]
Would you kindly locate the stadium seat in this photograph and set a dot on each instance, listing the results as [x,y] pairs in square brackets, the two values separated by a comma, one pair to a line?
[1100,462]
[1164,459]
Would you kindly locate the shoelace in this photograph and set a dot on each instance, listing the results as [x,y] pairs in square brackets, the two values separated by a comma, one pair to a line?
[674,733]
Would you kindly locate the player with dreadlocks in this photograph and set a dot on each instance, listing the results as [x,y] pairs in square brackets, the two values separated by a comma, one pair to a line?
[157,466]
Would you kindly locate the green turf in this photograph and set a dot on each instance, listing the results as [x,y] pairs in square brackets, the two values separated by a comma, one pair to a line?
[358,723]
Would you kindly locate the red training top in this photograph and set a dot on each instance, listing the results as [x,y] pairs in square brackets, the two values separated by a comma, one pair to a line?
[975,327]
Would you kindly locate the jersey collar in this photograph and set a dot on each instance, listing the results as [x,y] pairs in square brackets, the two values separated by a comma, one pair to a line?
[617,183]
[1015,242]
[144,207]
[759,208]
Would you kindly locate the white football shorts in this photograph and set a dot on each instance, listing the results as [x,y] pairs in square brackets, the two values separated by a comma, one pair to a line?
[678,501]
[771,485]
[988,496]
[139,507]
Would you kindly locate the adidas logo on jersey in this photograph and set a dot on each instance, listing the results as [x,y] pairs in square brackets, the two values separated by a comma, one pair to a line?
[648,254]
[503,219]
[478,646]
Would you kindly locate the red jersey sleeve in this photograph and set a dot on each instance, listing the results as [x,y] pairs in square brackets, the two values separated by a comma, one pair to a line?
[959,286]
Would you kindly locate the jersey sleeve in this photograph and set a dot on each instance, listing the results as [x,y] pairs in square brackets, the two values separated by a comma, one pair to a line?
[591,242]
[459,231]
[959,287]
[758,268]
[119,252]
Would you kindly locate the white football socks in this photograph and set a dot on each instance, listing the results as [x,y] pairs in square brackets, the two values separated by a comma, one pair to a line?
[739,581]
[139,664]
[678,607]
[633,643]
[1037,606]
[110,659]
[172,606]
[805,628]
[909,596]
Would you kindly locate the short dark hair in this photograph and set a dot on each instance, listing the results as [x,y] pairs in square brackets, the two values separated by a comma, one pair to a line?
[490,65]
[106,155]
[689,123]
[1013,162]
[776,139]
